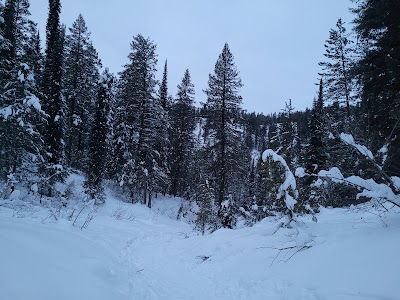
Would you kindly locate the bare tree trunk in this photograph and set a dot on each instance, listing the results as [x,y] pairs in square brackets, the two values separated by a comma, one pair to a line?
[149,203]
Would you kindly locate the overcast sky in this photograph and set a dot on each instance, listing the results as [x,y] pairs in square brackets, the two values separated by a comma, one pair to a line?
[276,44]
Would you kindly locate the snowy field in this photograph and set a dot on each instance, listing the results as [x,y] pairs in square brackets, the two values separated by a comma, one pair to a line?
[131,252]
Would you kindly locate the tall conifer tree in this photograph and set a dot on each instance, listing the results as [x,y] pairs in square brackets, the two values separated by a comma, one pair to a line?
[141,167]
[53,101]
[316,152]
[98,138]
[20,108]
[79,84]
[182,138]
[378,74]
[226,144]
[164,88]
[336,72]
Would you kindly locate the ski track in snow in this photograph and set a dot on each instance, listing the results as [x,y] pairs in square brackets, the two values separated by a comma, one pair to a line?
[154,256]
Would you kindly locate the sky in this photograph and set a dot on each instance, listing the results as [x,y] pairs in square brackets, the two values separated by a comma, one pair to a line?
[277,44]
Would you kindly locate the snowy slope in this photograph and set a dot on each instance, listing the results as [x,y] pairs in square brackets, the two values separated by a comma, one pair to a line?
[131,252]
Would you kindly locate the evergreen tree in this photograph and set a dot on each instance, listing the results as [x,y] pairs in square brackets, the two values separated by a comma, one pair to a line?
[163,130]
[205,216]
[289,139]
[164,89]
[138,118]
[35,57]
[182,138]
[277,186]
[79,84]
[337,80]
[378,74]
[316,152]
[98,139]
[53,101]
[316,158]
[20,109]
[225,150]
[250,204]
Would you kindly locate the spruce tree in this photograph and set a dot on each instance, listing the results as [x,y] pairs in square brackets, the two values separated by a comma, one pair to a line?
[164,88]
[20,109]
[377,25]
[225,149]
[36,58]
[336,72]
[53,101]
[141,168]
[315,154]
[205,215]
[250,204]
[79,84]
[98,138]
[163,129]
[285,140]
[278,189]
[316,150]
[182,138]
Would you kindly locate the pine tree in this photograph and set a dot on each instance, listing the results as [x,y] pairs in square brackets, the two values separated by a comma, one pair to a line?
[205,216]
[315,154]
[316,151]
[225,150]
[79,83]
[35,56]
[337,80]
[378,75]
[53,101]
[98,139]
[289,139]
[163,129]
[20,109]
[182,139]
[250,205]
[138,117]
[164,89]
[277,186]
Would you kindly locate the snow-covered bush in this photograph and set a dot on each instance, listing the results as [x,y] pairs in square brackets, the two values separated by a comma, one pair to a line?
[278,190]
[206,215]
[382,187]
[227,213]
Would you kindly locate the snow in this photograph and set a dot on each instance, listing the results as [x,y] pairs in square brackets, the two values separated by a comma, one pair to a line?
[34,188]
[290,181]
[348,139]
[15,195]
[6,112]
[334,173]
[303,240]
[396,181]
[370,188]
[300,172]
[384,149]
[132,252]
[21,76]
[33,101]
[255,156]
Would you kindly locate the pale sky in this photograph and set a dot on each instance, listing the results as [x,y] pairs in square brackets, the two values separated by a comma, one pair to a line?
[277,44]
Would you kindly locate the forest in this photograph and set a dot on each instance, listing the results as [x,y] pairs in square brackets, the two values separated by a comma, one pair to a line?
[63,112]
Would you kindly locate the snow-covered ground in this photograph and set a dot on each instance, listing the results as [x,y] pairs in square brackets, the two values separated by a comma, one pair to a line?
[131,252]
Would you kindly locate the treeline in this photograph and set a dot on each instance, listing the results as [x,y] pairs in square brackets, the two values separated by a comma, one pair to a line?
[59,113]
